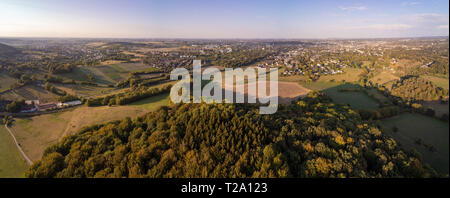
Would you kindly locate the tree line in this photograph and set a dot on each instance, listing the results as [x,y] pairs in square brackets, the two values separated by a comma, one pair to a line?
[127,97]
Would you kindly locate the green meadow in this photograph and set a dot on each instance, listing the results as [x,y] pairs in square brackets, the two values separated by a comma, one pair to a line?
[432,132]
[12,165]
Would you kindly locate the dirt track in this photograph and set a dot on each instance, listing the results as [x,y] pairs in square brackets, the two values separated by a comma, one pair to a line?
[29,162]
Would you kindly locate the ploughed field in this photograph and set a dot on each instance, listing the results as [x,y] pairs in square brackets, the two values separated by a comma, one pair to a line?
[287,91]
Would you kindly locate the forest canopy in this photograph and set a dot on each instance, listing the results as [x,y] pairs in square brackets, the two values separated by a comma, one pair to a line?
[311,138]
[413,88]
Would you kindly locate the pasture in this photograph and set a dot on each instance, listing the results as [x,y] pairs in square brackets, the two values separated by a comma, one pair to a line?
[12,165]
[357,100]
[130,67]
[384,77]
[430,131]
[152,103]
[377,95]
[326,81]
[438,107]
[438,81]
[6,82]
[349,75]
[319,86]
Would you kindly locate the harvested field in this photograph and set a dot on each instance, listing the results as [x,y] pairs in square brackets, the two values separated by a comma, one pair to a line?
[287,91]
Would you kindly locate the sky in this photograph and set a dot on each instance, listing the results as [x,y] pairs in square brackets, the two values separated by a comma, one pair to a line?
[224,18]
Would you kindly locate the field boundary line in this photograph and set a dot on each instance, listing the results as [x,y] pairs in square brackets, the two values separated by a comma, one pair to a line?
[29,162]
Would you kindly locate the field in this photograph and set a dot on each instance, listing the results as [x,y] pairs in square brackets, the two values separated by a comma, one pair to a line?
[153,102]
[82,73]
[112,73]
[319,86]
[405,63]
[110,62]
[287,91]
[384,77]
[84,90]
[331,84]
[440,82]
[439,108]
[30,92]
[349,75]
[6,81]
[377,95]
[11,163]
[131,66]
[358,100]
[104,74]
[39,132]
[325,82]
[431,131]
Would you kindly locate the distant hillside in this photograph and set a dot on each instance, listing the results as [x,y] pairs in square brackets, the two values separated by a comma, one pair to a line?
[6,50]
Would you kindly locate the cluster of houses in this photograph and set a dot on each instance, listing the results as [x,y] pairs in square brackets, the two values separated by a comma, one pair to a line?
[35,106]
[318,69]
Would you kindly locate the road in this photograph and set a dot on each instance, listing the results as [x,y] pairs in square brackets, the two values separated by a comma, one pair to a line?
[27,159]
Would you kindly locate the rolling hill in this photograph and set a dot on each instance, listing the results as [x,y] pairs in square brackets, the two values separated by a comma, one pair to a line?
[6,50]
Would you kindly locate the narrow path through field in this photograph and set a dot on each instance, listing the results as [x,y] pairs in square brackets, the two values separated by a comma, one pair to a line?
[29,162]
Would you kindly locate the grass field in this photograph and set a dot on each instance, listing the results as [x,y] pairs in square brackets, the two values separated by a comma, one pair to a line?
[377,95]
[440,82]
[325,82]
[153,102]
[6,81]
[12,165]
[431,131]
[131,66]
[319,86]
[358,100]
[350,75]
[37,133]
[384,77]
[439,108]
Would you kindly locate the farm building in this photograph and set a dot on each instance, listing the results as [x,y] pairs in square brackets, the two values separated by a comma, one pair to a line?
[46,107]
[72,103]
[32,102]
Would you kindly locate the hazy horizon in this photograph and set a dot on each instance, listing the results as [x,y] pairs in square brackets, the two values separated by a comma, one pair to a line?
[174,19]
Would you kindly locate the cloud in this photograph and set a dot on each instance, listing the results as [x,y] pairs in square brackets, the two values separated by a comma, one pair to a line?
[383,27]
[410,3]
[353,8]
[442,27]
[429,18]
